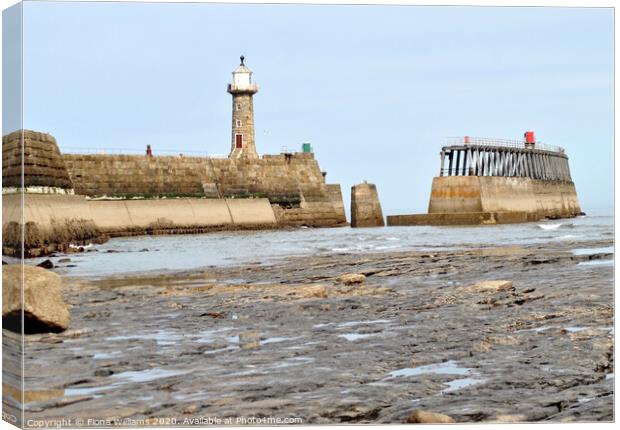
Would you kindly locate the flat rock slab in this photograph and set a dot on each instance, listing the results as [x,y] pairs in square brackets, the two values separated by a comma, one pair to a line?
[289,340]
[492,286]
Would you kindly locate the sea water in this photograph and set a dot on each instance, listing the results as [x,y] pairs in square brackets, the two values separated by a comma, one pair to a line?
[186,252]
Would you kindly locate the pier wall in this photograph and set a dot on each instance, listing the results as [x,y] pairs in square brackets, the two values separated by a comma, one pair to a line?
[168,176]
[52,222]
[74,199]
[455,194]
[471,194]
[335,195]
[119,217]
[293,182]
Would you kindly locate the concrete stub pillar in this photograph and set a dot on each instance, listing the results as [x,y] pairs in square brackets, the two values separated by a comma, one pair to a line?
[365,206]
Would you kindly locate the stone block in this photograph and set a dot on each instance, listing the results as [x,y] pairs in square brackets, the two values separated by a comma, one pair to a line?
[365,206]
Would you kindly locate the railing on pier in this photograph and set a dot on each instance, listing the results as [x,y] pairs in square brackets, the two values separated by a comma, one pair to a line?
[138,151]
[500,143]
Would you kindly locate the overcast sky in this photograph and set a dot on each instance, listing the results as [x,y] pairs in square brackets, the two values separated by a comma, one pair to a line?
[375,89]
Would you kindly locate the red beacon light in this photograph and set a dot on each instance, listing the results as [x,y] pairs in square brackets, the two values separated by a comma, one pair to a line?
[530,140]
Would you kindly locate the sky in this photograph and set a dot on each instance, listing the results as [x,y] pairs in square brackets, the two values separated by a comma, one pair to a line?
[376,90]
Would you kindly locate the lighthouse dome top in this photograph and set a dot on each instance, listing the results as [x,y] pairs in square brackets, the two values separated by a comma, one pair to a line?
[242,67]
[242,79]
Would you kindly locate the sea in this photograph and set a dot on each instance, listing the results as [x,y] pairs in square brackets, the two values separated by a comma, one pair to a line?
[166,253]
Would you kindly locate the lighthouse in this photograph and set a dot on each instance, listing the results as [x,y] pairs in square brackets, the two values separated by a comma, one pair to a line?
[242,90]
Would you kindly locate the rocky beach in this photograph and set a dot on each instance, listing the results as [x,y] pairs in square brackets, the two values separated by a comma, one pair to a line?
[491,333]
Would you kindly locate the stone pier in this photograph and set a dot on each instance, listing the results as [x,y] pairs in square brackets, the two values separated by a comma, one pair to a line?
[365,206]
[489,181]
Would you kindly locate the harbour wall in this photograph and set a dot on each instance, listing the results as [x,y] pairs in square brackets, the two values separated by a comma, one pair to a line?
[53,222]
[167,176]
[543,198]
[72,199]
[293,183]
[117,218]
[50,223]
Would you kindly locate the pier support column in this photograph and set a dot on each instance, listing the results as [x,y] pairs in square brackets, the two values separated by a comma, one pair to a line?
[443,157]
[471,163]
[536,166]
[556,168]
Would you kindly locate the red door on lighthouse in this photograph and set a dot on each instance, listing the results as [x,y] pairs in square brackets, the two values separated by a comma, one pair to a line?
[238,141]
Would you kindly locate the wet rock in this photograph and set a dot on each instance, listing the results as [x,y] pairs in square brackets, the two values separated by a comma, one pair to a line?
[64,260]
[351,278]
[4,263]
[214,314]
[249,340]
[429,417]
[190,409]
[47,264]
[30,395]
[582,334]
[356,413]
[303,367]
[45,309]
[313,291]
[492,286]
[482,346]
[503,340]
[510,418]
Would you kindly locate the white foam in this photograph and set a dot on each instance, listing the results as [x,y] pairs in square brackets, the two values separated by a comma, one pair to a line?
[549,226]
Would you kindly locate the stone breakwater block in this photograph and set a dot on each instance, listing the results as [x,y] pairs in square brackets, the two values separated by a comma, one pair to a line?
[492,286]
[351,278]
[429,417]
[365,206]
[45,309]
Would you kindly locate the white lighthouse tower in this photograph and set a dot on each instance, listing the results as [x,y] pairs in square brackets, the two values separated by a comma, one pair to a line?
[242,90]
